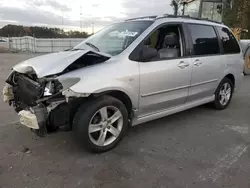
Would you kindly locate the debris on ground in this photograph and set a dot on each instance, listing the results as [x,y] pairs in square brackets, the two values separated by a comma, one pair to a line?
[26,150]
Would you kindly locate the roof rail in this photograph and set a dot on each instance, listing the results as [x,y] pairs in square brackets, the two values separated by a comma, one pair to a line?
[156,17]
[186,16]
[144,17]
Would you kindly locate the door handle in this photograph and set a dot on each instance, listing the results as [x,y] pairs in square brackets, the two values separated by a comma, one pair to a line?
[197,62]
[183,64]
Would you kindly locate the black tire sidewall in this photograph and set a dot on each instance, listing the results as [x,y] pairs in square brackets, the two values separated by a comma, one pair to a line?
[217,103]
[84,115]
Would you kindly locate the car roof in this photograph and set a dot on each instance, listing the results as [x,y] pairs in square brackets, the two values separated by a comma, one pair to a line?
[173,18]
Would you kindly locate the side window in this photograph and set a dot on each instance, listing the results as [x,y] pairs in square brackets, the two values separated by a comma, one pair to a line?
[205,41]
[229,43]
[164,43]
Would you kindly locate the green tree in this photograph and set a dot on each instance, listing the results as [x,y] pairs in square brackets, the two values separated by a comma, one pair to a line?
[39,32]
[176,4]
[236,14]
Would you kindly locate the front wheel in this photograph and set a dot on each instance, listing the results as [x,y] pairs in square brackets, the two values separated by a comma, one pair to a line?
[100,123]
[223,94]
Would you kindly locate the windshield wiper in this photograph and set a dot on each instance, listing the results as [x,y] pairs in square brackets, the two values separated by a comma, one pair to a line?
[92,46]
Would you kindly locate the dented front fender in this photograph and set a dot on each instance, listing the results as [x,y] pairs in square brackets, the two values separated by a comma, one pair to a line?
[100,86]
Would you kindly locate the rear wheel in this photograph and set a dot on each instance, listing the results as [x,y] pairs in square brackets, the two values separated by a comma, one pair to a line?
[100,123]
[223,94]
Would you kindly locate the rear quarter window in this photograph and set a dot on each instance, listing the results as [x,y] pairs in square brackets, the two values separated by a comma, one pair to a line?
[229,42]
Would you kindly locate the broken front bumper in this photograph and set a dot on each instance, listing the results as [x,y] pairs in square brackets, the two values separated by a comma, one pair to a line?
[28,119]
[8,93]
[39,103]
[34,117]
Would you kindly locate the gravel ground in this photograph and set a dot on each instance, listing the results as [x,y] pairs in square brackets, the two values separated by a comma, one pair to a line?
[200,147]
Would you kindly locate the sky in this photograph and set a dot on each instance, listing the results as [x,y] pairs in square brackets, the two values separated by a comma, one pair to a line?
[77,14]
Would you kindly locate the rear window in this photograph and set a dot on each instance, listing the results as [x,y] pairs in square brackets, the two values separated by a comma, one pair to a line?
[205,41]
[229,42]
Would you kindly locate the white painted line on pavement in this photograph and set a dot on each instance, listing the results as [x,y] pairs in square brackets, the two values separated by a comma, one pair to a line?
[241,130]
[6,124]
[225,162]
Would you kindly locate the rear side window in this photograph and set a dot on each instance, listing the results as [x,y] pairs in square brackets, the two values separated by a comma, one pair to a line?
[229,42]
[205,41]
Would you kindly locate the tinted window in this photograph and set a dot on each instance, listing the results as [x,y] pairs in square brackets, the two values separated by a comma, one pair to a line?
[205,40]
[229,43]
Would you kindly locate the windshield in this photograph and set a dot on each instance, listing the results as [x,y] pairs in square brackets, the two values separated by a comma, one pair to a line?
[115,38]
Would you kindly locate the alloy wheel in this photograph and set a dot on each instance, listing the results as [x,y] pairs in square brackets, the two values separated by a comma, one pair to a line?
[225,93]
[105,126]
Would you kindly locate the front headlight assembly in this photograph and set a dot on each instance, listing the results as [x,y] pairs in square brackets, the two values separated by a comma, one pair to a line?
[58,85]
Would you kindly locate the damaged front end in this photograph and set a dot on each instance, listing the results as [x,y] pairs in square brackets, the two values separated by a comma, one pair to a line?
[45,103]
[35,99]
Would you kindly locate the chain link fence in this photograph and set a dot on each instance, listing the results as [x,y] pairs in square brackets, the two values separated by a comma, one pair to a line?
[41,45]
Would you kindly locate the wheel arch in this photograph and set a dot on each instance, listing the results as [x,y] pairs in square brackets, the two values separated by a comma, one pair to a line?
[120,95]
[232,78]
[246,50]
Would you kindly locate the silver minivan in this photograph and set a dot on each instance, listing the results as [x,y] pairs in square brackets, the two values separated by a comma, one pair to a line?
[128,73]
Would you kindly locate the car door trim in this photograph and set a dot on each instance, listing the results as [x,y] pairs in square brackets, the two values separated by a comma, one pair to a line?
[163,113]
[164,91]
[206,82]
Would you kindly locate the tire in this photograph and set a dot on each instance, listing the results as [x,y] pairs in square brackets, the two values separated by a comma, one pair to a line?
[218,102]
[247,63]
[94,112]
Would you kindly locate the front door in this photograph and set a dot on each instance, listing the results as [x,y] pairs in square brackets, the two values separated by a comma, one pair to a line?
[163,84]
[165,81]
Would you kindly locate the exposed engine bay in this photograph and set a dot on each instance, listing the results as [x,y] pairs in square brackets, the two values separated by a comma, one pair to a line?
[31,98]
[40,101]
[28,89]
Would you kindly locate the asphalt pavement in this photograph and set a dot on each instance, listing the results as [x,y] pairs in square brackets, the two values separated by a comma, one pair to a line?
[200,147]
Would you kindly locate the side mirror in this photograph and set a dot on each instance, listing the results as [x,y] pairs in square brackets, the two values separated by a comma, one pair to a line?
[148,53]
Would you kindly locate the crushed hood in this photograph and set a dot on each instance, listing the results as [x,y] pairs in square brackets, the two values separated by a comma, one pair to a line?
[53,63]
